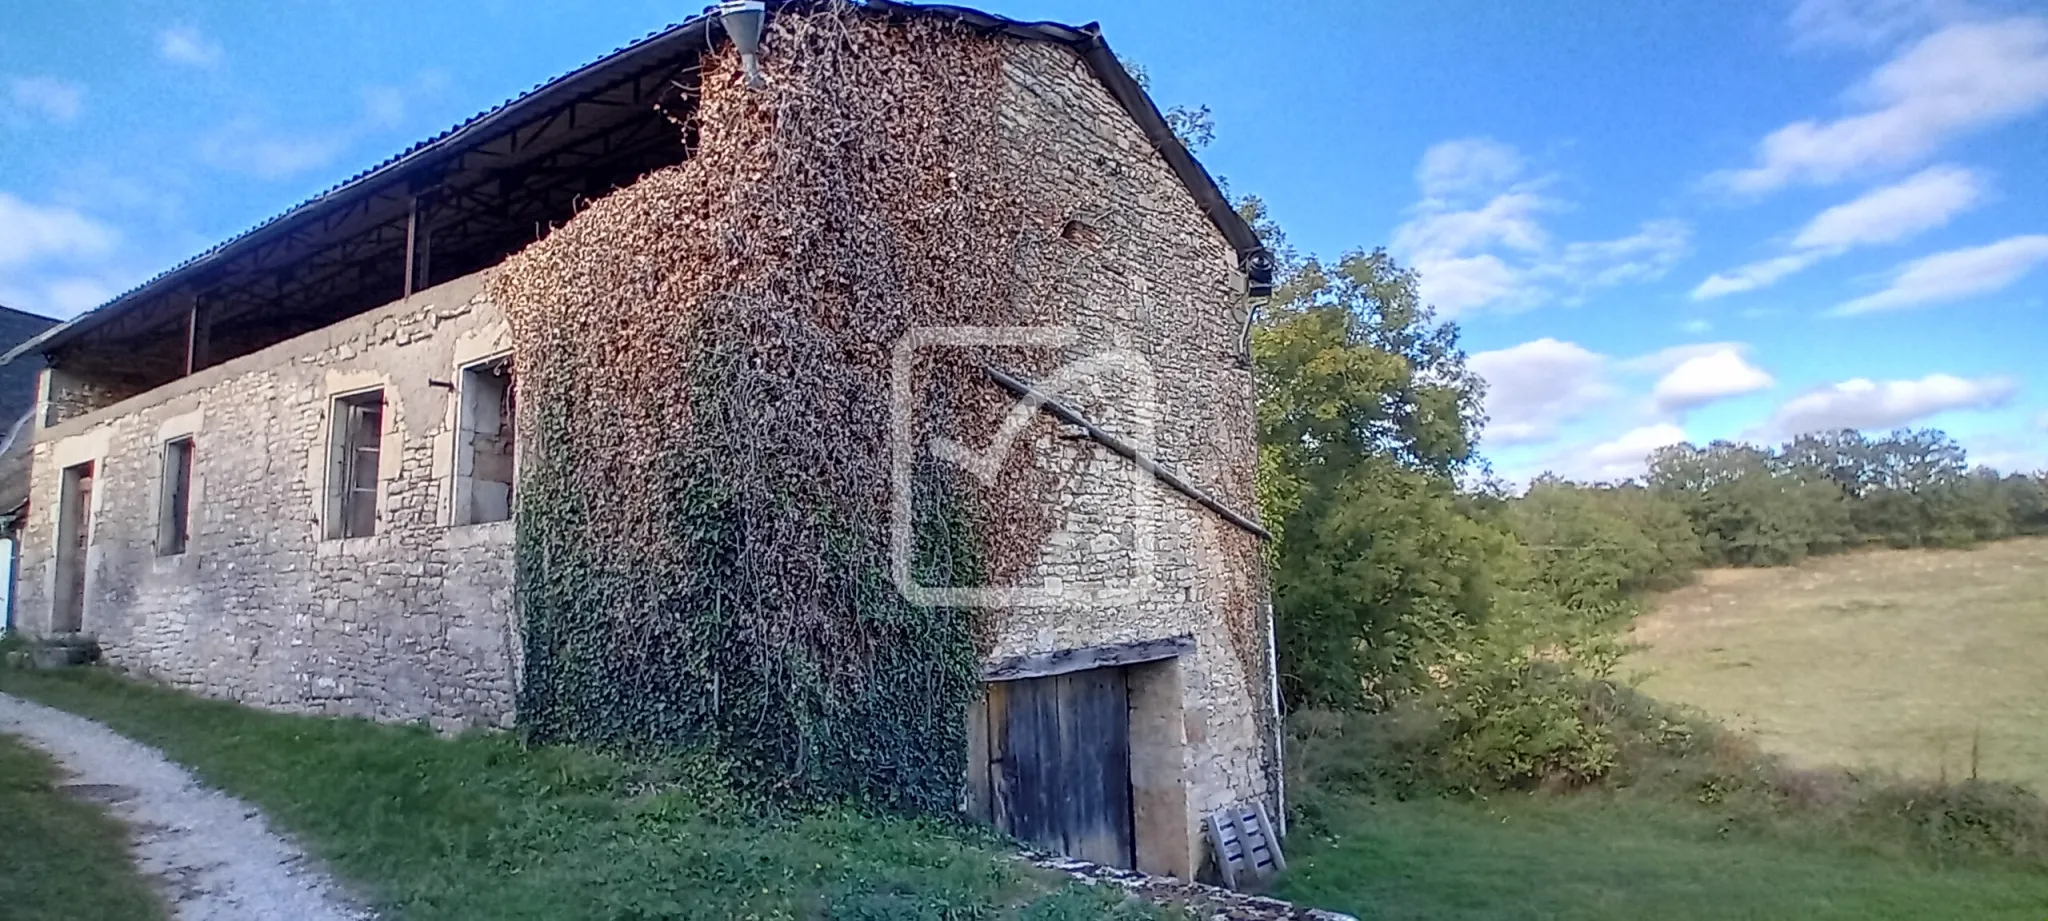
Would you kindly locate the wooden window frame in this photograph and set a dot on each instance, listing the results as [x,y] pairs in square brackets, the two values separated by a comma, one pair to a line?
[355,475]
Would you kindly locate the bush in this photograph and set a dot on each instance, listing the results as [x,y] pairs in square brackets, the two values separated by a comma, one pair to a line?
[1502,717]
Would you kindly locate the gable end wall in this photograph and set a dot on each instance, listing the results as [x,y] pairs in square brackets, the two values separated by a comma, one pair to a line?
[1147,272]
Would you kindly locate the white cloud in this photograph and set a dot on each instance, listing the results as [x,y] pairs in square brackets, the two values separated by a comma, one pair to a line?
[55,260]
[1642,256]
[1623,457]
[1663,360]
[188,46]
[1467,166]
[1701,379]
[31,233]
[1754,275]
[1954,274]
[1867,23]
[1534,387]
[1862,403]
[1696,327]
[1457,285]
[48,97]
[1923,202]
[1507,220]
[1477,238]
[1963,78]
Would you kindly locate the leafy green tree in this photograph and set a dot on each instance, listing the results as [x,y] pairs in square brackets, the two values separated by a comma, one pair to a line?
[1595,547]
[1748,507]
[1366,414]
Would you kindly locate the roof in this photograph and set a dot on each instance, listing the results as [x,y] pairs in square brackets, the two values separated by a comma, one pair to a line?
[687,38]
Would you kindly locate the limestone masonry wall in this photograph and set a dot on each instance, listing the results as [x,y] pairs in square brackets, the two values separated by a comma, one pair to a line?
[1149,286]
[413,623]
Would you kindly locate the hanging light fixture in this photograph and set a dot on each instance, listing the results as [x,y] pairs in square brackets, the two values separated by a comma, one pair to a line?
[743,20]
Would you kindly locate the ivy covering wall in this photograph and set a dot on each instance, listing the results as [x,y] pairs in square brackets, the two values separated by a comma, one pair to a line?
[704,383]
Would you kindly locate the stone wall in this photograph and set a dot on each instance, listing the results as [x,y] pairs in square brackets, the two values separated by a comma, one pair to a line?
[1148,292]
[64,396]
[412,623]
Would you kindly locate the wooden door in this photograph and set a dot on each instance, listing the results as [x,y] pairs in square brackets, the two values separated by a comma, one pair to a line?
[1060,749]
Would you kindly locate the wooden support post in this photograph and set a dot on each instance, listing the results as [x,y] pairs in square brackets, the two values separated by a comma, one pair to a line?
[423,206]
[412,241]
[192,337]
[202,335]
[195,331]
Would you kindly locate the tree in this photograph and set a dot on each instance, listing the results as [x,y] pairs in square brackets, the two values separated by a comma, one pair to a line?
[1193,125]
[1366,414]
[1748,506]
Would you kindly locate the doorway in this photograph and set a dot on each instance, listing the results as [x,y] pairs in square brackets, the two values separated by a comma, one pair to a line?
[1060,764]
[74,536]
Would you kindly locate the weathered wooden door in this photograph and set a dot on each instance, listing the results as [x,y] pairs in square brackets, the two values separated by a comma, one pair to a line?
[1061,772]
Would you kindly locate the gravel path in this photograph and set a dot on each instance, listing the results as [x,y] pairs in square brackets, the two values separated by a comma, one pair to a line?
[215,857]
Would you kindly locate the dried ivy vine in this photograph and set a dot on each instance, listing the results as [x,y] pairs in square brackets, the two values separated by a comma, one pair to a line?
[704,364]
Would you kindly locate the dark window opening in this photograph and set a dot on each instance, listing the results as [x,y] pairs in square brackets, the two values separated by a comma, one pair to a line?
[485,445]
[174,519]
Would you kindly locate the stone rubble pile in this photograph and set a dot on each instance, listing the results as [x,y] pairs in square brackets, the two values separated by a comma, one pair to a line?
[1212,903]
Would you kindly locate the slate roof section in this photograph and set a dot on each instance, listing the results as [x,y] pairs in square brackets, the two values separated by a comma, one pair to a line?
[18,380]
[703,31]
[17,404]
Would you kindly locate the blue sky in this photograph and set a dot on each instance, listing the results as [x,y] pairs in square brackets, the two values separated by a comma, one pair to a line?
[1653,221]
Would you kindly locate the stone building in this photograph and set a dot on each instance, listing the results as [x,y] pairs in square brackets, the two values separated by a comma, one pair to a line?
[282,473]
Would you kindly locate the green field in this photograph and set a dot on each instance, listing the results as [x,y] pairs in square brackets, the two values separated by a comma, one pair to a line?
[1897,660]
[1596,857]
[1888,659]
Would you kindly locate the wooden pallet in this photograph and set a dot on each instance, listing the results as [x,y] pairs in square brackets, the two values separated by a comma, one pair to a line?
[1247,850]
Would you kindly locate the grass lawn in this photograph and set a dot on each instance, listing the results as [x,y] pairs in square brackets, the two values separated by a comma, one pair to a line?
[480,829]
[62,859]
[1597,857]
[1892,659]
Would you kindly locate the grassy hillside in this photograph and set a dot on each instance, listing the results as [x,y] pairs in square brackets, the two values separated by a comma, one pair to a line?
[1887,659]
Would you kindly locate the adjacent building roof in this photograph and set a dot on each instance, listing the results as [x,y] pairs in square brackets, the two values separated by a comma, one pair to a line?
[369,199]
[18,381]
[17,404]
